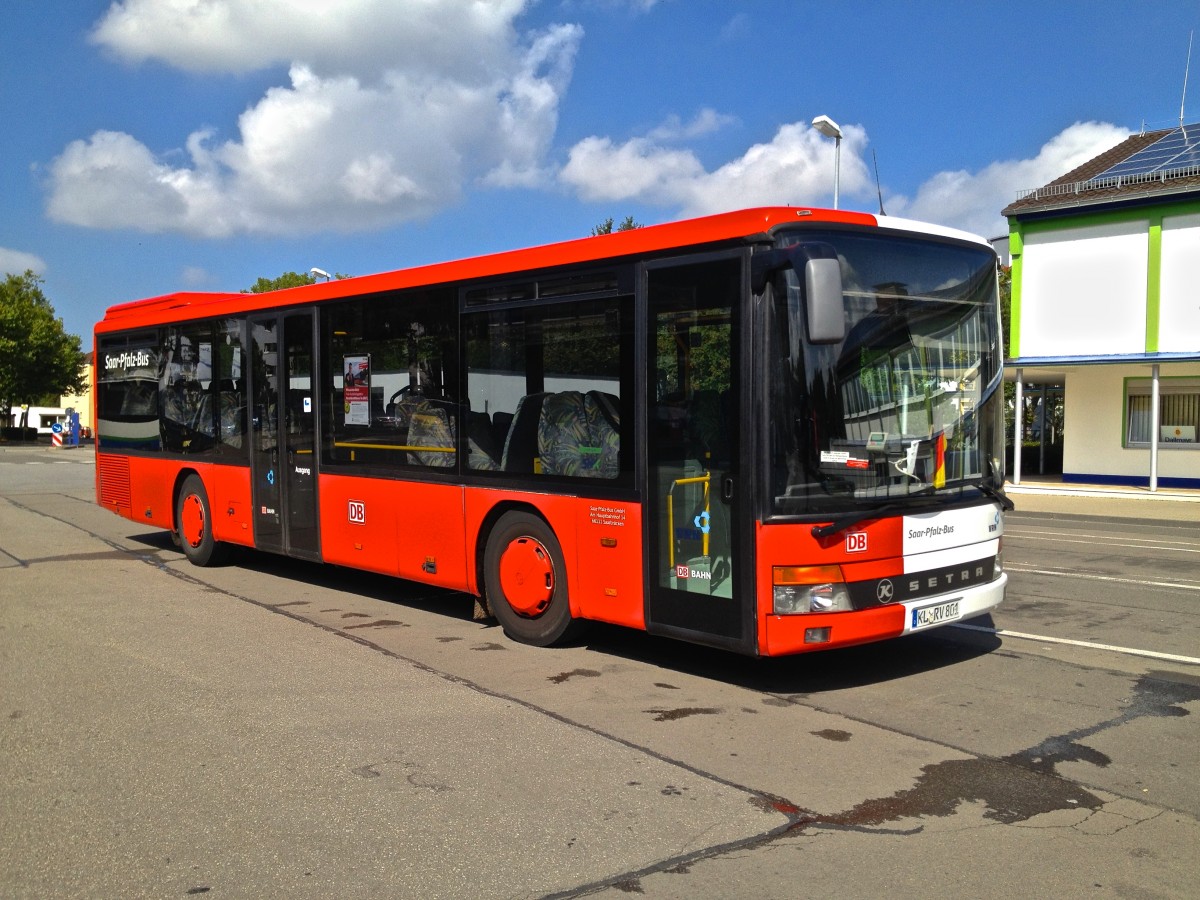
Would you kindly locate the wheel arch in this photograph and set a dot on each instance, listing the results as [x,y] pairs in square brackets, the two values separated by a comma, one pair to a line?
[180,477]
[485,530]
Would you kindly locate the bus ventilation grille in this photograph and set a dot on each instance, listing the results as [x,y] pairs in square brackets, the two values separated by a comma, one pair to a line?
[114,481]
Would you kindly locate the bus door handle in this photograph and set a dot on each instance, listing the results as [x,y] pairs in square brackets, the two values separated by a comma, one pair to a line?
[727,488]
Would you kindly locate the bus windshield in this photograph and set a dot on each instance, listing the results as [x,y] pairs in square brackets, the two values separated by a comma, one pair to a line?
[909,403]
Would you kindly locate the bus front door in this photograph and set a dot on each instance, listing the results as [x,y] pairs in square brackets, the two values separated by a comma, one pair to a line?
[283,460]
[697,546]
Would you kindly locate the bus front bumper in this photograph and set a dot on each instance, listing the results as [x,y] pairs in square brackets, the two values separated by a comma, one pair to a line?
[825,631]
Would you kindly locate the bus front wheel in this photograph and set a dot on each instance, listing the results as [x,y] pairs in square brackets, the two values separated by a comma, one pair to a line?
[193,524]
[526,583]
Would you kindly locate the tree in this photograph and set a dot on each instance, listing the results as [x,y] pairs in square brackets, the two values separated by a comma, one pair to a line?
[286,280]
[606,227]
[38,359]
[1005,305]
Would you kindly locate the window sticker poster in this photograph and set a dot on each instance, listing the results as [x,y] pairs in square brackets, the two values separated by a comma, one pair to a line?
[356,380]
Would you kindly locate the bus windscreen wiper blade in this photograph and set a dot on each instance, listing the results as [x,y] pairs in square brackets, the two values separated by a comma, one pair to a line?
[851,519]
[989,491]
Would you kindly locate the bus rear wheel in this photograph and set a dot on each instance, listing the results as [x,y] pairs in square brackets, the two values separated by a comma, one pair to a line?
[526,582]
[193,525]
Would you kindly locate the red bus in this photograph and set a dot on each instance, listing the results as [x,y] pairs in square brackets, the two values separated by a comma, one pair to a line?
[772,431]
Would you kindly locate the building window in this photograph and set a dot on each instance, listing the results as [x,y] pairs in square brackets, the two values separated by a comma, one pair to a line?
[1178,412]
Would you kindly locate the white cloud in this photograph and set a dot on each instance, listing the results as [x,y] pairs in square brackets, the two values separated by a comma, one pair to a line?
[973,200]
[462,38]
[706,121]
[360,138]
[196,277]
[795,167]
[15,262]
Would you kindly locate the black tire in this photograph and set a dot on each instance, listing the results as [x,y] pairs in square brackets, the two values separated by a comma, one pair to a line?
[193,525]
[526,582]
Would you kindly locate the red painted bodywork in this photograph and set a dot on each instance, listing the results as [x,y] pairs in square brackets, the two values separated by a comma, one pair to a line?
[636,242]
[435,532]
[781,545]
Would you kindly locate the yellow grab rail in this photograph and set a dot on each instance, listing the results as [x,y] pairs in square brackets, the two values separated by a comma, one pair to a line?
[704,479]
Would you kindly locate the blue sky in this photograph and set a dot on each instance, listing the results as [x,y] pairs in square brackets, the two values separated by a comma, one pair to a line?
[161,145]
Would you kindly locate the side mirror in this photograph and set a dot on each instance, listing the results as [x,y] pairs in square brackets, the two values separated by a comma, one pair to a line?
[816,265]
[823,299]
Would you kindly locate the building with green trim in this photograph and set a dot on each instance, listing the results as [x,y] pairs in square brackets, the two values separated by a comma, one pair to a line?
[1106,304]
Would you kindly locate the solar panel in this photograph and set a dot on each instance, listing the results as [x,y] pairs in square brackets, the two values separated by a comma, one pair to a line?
[1179,149]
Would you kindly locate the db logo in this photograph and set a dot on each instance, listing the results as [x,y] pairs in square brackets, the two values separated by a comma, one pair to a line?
[682,572]
[357,511]
[856,542]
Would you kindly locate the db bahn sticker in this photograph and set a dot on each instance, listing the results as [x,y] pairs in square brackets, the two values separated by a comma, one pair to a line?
[856,542]
[357,511]
[682,571]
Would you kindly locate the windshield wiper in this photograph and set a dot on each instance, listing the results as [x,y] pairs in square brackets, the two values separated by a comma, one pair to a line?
[850,519]
[988,491]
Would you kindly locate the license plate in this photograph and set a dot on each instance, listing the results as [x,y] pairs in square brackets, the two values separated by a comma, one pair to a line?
[937,614]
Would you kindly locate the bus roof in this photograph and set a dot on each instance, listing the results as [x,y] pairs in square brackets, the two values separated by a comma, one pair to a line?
[746,223]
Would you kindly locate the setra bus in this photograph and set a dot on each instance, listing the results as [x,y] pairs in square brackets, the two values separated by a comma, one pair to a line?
[773,431]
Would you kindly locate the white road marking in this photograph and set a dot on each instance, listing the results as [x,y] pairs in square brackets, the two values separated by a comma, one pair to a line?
[1091,645]
[1131,543]
[1140,582]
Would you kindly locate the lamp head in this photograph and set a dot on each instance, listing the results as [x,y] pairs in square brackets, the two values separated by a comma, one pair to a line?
[827,127]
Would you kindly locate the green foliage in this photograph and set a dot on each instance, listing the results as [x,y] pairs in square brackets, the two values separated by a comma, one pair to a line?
[38,360]
[286,280]
[1005,306]
[606,227]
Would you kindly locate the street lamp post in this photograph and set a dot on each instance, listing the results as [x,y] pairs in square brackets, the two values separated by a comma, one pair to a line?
[830,128]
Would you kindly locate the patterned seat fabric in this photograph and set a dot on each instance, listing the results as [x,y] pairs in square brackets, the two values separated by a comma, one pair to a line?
[579,435]
[604,420]
[521,442]
[433,427]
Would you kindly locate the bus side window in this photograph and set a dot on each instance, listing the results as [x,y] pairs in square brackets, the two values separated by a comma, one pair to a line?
[553,378]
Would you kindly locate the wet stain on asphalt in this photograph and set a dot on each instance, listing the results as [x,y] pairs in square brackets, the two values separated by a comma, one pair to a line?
[425,781]
[832,734]
[292,603]
[1152,697]
[665,686]
[1020,786]
[1010,792]
[379,623]
[582,673]
[671,715]
[355,616]
[489,646]
[448,640]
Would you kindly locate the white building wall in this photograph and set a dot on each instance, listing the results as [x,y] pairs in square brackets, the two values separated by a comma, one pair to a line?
[1094,425]
[1083,290]
[1179,285]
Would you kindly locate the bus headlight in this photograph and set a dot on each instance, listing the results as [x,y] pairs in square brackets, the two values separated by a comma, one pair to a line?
[809,589]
